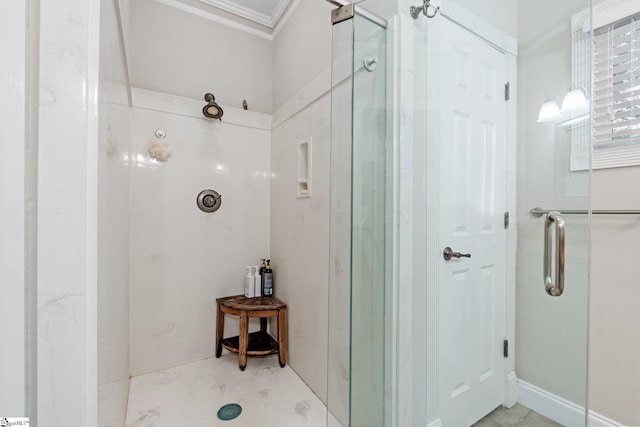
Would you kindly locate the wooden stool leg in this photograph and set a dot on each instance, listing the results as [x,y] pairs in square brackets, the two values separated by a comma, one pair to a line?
[219,331]
[244,340]
[282,337]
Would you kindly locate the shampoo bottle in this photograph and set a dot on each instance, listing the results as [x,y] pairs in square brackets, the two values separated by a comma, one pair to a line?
[262,268]
[249,284]
[267,289]
[257,283]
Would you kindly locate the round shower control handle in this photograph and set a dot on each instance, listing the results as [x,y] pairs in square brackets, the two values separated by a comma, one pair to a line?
[448,253]
[209,201]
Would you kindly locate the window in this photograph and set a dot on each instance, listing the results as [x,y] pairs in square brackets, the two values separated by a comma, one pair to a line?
[617,94]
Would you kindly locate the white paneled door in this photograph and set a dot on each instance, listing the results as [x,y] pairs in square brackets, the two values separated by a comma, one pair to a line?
[472,206]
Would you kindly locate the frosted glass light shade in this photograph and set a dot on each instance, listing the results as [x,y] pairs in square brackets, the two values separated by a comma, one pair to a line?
[549,111]
[574,100]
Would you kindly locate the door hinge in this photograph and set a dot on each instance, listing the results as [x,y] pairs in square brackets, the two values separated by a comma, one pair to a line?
[507,92]
[506,220]
[505,348]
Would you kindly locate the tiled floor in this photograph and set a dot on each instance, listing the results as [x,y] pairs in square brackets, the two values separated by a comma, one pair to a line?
[518,415]
[270,396]
[191,395]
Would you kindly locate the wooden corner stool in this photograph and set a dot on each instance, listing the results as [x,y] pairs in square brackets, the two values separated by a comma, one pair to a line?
[258,343]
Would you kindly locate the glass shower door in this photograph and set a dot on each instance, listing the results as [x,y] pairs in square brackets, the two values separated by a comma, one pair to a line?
[358,270]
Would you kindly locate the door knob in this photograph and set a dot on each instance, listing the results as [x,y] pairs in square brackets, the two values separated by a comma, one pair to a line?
[448,253]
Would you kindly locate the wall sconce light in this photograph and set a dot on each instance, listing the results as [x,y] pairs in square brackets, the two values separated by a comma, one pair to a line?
[549,111]
[573,103]
[574,100]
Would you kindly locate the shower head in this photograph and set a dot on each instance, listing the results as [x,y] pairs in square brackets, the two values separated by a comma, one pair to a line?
[212,110]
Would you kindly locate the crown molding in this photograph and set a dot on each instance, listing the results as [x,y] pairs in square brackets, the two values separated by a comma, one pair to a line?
[250,14]
[264,34]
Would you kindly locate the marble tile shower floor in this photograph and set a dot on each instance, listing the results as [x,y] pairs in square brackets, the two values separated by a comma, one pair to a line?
[518,415]
[191,395]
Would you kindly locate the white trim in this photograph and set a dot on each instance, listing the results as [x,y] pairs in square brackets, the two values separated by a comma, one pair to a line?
[511,386]
[511,389]
[559,409]
[452,10]
[436,423]
[315,89]
[172,104]
[250,14]
[551,406]
[278,25]
[285,19]
[216,18]
[597,420]
[610,11]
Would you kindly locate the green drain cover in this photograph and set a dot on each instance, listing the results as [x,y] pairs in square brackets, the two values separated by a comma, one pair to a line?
[229,412]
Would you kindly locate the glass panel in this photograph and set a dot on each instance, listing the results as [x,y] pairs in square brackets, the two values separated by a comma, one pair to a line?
[554,173]
[487,154]
[358,213]
[368,224]
[340,226]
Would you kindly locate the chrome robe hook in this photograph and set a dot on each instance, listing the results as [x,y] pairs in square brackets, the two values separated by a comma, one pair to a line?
[415,10]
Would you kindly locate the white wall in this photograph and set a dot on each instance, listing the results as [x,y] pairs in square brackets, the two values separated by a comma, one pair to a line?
[537,19]
[614,321]
[498,13]
[182,259]
[13,30]
[302,50]
[67,213]
[300,241]
[178,53]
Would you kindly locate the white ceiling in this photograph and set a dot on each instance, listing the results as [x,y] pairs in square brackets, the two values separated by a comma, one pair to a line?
[264,12]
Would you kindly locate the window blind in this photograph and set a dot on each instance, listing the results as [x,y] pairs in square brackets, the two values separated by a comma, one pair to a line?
[617,94]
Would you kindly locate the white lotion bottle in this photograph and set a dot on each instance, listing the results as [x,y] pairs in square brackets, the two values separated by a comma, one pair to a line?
[257,282]
[249,284]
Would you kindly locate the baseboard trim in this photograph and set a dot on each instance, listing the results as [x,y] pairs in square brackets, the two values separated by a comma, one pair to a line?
[597,420]
[557,408]
[436,423]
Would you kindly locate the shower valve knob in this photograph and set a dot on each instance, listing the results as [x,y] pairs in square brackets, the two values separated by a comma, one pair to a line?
[448,253]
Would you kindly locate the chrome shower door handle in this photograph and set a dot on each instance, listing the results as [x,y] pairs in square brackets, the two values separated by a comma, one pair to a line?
[554,289]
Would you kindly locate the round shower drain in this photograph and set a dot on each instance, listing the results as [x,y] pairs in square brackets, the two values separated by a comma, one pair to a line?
[229,412]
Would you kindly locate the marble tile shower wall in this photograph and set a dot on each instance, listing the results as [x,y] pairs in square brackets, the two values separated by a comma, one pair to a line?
[113,265]
[181,259]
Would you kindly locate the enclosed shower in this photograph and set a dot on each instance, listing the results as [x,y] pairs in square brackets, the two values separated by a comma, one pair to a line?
[459,217]
[419,175]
